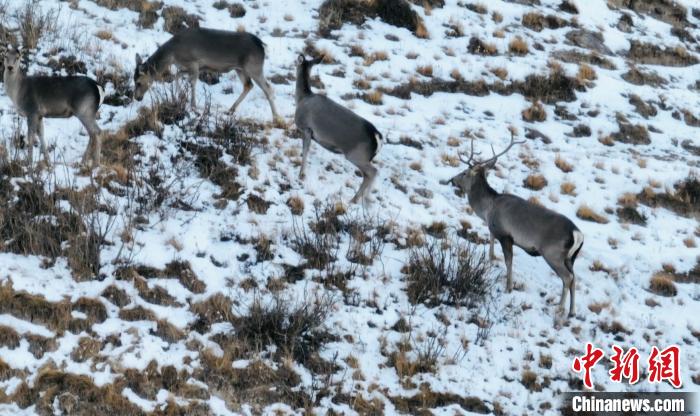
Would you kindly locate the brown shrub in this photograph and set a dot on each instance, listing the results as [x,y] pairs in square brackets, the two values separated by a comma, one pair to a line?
[333,13]
[662,284]
[518,46]
[537,22]
[650,54]
[535,181]
[33,308]
[684,199]
[534,113]
[563,165]
[296,205]
[586,213]
[176,19]
[425,70]
[478,47]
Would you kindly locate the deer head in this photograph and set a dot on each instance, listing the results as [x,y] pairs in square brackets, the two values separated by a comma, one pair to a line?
[476,168]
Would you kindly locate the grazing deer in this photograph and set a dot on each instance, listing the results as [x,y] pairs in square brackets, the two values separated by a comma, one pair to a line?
[37,97]
[198,49]
[514,221]
[334,127]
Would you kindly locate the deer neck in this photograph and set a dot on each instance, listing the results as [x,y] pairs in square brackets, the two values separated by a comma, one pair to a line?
[303,88]
[13,82]
[482,196]
[160,61]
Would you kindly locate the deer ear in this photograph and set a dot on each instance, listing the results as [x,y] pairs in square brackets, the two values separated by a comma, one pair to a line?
[138,60]
[318,60]
[300,59]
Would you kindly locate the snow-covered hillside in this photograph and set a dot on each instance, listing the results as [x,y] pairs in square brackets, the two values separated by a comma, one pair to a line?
[195,273]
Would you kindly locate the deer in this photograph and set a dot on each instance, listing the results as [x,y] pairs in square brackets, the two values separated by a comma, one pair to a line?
[335,128]
[39,97]
[196,49]
[512,220]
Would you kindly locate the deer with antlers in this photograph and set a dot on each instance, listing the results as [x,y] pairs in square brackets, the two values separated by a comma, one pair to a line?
[514,221]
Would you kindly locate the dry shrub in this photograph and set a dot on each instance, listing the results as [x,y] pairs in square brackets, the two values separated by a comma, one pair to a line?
[235,10]
[577,57]
[500,72]
[427,399]
[34,23]
[638,77]
[257,204]
[477,8]
[297,330]
[216,308]
[120,81]
[684,199]
[535,181]
[586,213]
[563,165]
[75,394]
[86,349]
[374,57]
[534,113]
[448,271]
[333,13]
[9,338]
[137,313]
[176,19]
[528,378]
[636,134]
[645,109]
[650,54]
[55,315]
[425,70]
[296,205]
[373,97]
[254,387]
[176,269]
[661,283]
[478,47]
[568,6]
[518,46]
[585,73]
[537,22]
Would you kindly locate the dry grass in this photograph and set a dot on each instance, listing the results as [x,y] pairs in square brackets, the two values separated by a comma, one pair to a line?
[104,35]
[296,205]
[500,72]
[586,73]
[375,56]
[425,70]
[518,46]
[478,47]
[563,165]
[534,113]
[375,97]
[588,214]
[535,181]
[661,283]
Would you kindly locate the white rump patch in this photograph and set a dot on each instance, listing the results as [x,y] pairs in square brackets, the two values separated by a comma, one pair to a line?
[101,91]
[578,241]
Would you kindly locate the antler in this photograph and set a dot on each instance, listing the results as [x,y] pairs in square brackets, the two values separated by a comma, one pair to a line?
[495,156]
[471,155]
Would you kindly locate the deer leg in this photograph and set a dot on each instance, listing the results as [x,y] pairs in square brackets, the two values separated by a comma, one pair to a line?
[567,280]
[492,255]
[308,135]
[507,247]
[32,123]
[94,147]
[369,172]
[247,86]
[265,86]
[193,75]
[572,295]
[42,143]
